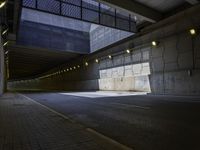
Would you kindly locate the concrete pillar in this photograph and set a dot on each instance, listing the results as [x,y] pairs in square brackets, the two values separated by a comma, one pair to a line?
[2,68]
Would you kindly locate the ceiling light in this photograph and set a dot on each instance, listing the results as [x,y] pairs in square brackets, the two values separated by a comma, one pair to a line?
[96,60]
[192,31]
[78,66]
[74,67]
[5,31]
[5,43]
[2,4]
[70,68]
[86,63]
[128,51]
[109,56]
[154,43]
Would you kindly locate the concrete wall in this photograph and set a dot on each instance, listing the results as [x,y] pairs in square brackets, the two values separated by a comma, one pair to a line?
[2,68]
[174,63]
[126,78]
[101,36]
[52,37]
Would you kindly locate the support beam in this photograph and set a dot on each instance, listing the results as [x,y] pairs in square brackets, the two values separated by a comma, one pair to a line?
[136,8]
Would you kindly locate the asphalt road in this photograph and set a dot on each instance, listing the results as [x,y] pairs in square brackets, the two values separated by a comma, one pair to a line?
[141,122]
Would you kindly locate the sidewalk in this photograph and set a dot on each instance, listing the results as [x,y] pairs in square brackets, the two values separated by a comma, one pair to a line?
[26,125]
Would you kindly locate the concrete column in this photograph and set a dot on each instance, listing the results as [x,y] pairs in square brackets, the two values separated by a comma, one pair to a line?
[2,68]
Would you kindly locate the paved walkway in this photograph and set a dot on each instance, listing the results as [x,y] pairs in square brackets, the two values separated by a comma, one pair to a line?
[26,125]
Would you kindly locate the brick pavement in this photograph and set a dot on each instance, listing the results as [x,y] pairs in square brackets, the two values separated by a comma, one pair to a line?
[25,125]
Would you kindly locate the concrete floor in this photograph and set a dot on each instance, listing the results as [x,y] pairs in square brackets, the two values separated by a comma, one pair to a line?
[142,122]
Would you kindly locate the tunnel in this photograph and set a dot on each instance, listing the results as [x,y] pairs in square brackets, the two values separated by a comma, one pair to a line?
[99,74]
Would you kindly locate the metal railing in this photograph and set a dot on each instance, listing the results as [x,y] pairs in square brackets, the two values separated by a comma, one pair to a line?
[85,10]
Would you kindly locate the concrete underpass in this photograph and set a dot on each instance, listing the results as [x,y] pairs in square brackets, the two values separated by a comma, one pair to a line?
[99,75]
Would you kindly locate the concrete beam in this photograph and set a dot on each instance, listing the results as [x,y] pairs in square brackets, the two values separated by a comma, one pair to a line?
[193,2]
[136,8]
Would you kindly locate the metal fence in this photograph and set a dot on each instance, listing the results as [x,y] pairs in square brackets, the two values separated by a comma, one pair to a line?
[85,10]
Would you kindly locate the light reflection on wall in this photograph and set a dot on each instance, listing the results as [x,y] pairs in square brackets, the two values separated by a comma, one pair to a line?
[133,77]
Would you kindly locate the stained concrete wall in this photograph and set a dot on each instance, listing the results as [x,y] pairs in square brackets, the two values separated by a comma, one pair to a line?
[52,37]
[174,63]
[126,78]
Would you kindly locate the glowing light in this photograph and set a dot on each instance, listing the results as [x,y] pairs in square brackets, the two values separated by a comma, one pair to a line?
[128,51]
[2,4]
[154,43]
[86,64]
[109,56]
[5,44]
[4,32]
[192,31]
[96,60]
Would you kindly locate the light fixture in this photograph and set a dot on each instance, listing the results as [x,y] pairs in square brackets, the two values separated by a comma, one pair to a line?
[86,64]
[109,56]
[2,4]
[78,66]
[67,69]
[128,51]
[96,60]
[74,67]
[192,31]
[70,68]
[6,43]
[154,43]
[5,31]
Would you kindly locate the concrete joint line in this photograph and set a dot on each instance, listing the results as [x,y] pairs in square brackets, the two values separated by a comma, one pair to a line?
[95,133]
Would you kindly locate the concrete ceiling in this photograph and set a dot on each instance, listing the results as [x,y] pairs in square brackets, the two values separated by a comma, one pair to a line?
[28,62]
[162,5]
[150,10]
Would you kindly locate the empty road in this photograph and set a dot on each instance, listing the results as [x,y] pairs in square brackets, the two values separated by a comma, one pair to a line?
[141,122]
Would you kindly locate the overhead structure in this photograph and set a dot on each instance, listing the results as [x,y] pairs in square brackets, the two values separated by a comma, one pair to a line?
[86,10]
[135,7]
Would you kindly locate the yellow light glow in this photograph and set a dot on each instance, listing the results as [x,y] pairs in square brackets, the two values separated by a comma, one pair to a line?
[96,60]
[192,31]
[2,4]
[86,63]
[154,43]
[128,51]
[110,57]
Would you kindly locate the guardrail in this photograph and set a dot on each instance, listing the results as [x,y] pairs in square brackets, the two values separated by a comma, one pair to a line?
[85,10]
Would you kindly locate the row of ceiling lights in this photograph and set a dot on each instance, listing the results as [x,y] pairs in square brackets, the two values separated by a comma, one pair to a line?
[128,51]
